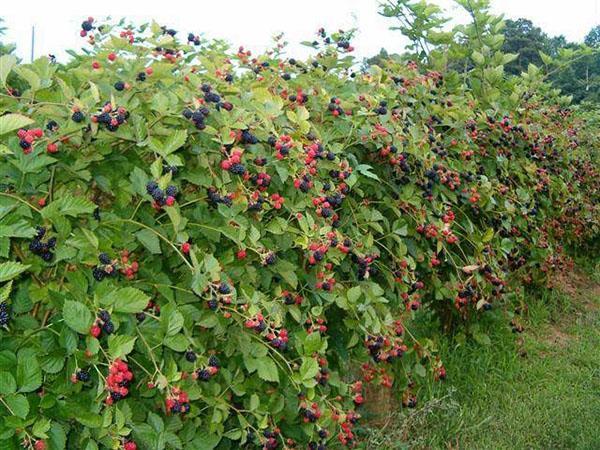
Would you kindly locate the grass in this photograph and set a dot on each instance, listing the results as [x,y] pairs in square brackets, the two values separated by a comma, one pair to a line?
[537,390]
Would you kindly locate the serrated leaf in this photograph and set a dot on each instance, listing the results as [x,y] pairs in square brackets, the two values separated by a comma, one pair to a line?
[11,269]
[128,300]
[29,373]
[149,240]
[267,369]
[119,346]
[7,63]
[11,122]
[8,385]
[77,316]
[68,205]
[18,405]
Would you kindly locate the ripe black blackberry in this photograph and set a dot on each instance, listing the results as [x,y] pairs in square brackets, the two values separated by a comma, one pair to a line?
[229,78]
[141,76]
[86,25]
[171,191]
[104,316]
[78,117]
[141,316]
[203,375]
[83,376]
[213,304]
[104,258]
[191,356]
[4,314]
[237,169]
[119,85]
[52,125]
[224,289]
[108,327]
[213,361]
[98,273]
[271,259]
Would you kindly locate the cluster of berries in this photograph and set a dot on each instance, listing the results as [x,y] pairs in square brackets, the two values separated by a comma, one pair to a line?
[310,413]
[106,268]
[208,372]
[128,269]
[214,198]
[160,197]
[86,26]
[233,163]
[271,442]
[194,39]
[304,183]
[4,314]
[261,180]
[277,338]
[28,137]
[317,252]
[299,97]
[246,137]
[282,145]
[291,299]
[384,349]
[357,390]
[322,376]
[369,373]
[346,436]
[326,284]
[322,444]
[220,293]
[381,109]
[118,380]
[178,402]
[81,375]
[111,117]
[315,325]
[151,306]
[334,107]
[316,151]
[198,116]
[103,323]
[365,268]
[127,34]
[42,249]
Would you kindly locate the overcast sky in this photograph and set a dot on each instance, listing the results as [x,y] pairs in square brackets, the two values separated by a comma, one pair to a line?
[252,23]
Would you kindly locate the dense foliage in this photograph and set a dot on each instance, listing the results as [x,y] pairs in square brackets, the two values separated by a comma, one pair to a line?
[209,249]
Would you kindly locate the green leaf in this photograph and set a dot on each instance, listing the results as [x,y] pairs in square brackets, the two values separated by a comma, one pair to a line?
[420,370]
[8,385]
[67,205]
[18,404]
[11,122]
[7,63]
[149,240]
[57,438]
[129,300]
[77,316]
[119,346]
[309,368]
[29,373]
[353,294]
[267,369]
[11,269]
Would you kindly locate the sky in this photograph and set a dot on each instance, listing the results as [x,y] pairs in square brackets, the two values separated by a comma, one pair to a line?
[252,23]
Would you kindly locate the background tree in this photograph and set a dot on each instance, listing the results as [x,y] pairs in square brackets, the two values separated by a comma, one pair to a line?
[5,49]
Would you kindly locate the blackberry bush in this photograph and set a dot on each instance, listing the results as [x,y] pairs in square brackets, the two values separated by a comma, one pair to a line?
[276,225]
